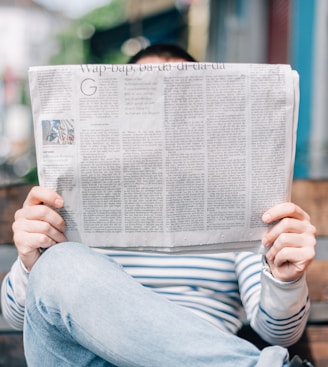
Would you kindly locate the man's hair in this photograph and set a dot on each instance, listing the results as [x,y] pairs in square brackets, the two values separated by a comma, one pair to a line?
[165,51]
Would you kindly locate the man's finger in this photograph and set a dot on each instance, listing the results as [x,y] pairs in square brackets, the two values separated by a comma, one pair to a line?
[42,195]
[284,210]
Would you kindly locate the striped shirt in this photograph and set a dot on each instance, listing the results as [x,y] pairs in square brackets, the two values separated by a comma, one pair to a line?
[219,288]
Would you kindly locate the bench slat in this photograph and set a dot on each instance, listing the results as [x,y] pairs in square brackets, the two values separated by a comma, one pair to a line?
[312,196]
[11,199]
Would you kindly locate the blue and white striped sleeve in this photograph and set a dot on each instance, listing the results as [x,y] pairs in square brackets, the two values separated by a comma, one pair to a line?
[277,311]
[13,292]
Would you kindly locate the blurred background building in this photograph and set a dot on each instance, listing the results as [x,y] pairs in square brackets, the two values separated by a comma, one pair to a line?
[27,37]
[109,31]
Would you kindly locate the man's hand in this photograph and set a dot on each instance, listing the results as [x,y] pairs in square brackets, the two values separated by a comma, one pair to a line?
[37,225]
[292,239]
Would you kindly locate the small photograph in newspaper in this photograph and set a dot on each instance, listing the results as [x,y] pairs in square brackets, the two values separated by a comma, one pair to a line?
[57,132]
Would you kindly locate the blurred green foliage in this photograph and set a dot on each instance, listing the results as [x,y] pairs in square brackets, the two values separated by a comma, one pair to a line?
[31,177]
[73,45]
[106,16]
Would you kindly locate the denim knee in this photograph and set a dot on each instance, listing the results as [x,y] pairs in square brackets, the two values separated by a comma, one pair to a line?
[64,269]
[59,259]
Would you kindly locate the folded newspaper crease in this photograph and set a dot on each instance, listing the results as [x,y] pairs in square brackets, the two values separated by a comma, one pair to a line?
[176,157]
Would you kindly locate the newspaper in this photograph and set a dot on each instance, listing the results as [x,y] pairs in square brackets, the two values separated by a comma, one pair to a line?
[174,157]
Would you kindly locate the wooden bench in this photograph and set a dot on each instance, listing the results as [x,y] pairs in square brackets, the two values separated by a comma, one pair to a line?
[311,196]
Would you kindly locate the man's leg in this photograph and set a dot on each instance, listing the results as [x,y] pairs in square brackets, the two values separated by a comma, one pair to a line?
[82,309]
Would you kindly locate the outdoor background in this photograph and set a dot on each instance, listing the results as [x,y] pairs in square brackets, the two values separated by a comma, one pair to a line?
[45,32]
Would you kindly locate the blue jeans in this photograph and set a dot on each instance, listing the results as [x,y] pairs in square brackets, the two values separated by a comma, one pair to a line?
[82,309]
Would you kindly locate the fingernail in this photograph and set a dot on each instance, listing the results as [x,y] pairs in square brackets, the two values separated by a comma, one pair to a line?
[266,217]
[59,203]
[265,241]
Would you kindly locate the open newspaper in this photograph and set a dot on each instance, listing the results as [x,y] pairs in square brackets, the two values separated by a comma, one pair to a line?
[175,157]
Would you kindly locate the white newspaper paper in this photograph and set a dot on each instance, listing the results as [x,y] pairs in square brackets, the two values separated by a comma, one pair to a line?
[175,157]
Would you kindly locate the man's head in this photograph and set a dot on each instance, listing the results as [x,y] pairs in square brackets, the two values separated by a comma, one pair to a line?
[162,52]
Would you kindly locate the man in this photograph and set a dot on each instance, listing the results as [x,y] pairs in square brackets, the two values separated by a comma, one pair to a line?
[84,307]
